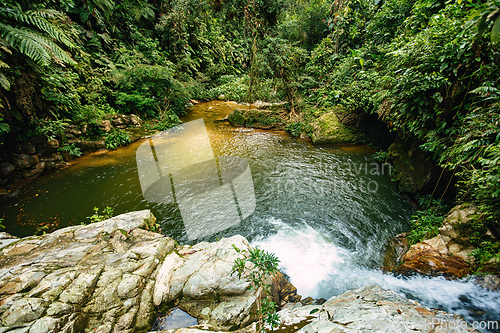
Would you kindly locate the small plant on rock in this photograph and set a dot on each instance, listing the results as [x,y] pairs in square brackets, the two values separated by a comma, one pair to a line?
[262,266]
[106,214]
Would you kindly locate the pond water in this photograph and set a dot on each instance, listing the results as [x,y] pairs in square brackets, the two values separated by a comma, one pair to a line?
[326,212]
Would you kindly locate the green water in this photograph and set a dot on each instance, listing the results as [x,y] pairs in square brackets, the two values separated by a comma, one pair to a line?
[293,180]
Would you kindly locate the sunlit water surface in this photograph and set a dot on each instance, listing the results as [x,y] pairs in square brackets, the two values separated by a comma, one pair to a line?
[326,212]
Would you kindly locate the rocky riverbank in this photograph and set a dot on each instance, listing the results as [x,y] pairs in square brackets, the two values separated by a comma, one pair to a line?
[449,254]
[114,275]
[24,161]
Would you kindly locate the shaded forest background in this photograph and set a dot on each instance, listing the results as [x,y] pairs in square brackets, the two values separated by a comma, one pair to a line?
[427,69]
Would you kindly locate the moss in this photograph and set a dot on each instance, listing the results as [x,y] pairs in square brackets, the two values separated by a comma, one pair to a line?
[237,117]
[255,118]
[328,129]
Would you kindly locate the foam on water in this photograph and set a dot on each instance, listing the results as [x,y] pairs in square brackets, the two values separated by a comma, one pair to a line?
[319,268]
[306,257]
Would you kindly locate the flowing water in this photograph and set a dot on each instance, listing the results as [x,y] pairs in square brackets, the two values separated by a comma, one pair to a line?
[326,212]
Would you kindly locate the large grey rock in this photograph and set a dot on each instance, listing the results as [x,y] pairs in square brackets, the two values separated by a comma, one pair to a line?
[6,239]
[202,273]
[109,277]
[372,309]
[98,277]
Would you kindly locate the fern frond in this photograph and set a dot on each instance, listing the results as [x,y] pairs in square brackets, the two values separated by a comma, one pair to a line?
[50,14]
[36,47]
[26,43]
[37,19]
[105,5]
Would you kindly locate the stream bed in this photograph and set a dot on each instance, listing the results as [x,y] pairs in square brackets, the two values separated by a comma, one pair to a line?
[326,212]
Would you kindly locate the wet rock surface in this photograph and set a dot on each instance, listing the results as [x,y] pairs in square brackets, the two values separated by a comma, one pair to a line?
[368,309]
[257,118]
[97,277]
[449,253]
[413,169]
[114,275]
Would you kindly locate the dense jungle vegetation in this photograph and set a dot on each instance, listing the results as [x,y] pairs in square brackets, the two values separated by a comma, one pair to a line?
[429,69]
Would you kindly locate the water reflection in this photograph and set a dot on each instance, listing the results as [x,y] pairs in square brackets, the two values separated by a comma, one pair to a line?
[179,167]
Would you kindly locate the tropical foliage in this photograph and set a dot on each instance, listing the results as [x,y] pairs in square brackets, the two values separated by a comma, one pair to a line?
[428,69]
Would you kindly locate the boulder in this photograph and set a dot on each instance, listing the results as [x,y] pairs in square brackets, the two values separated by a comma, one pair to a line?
[397,247]
[82,278]
[6,169]
[134,120]
[23,161]
[6,239]
[36,170]
[54,161]
[254,118]
[371,309]
[106,126]
[201,274]
[72,131]
[28,148]
[449,253]
[47,147]
[87,145]
[328,130]
[282,291]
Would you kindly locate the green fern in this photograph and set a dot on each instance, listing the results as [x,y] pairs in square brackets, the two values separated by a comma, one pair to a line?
[38,48]
[39,45]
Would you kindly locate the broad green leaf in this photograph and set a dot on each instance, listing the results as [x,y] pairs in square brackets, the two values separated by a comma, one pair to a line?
[495,31]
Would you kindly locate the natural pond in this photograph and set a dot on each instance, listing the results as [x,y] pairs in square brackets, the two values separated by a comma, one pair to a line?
[326,212]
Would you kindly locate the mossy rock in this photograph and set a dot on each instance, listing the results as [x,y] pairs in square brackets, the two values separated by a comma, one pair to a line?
[237,117]
[328,129]
[413,169]
[254,118]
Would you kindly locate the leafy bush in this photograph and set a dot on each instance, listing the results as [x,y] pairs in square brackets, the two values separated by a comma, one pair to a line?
[167,121]
[380,156]
[51,129]
[295,129]
[116,138]
[233,87]
[71,149]
[427,220]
